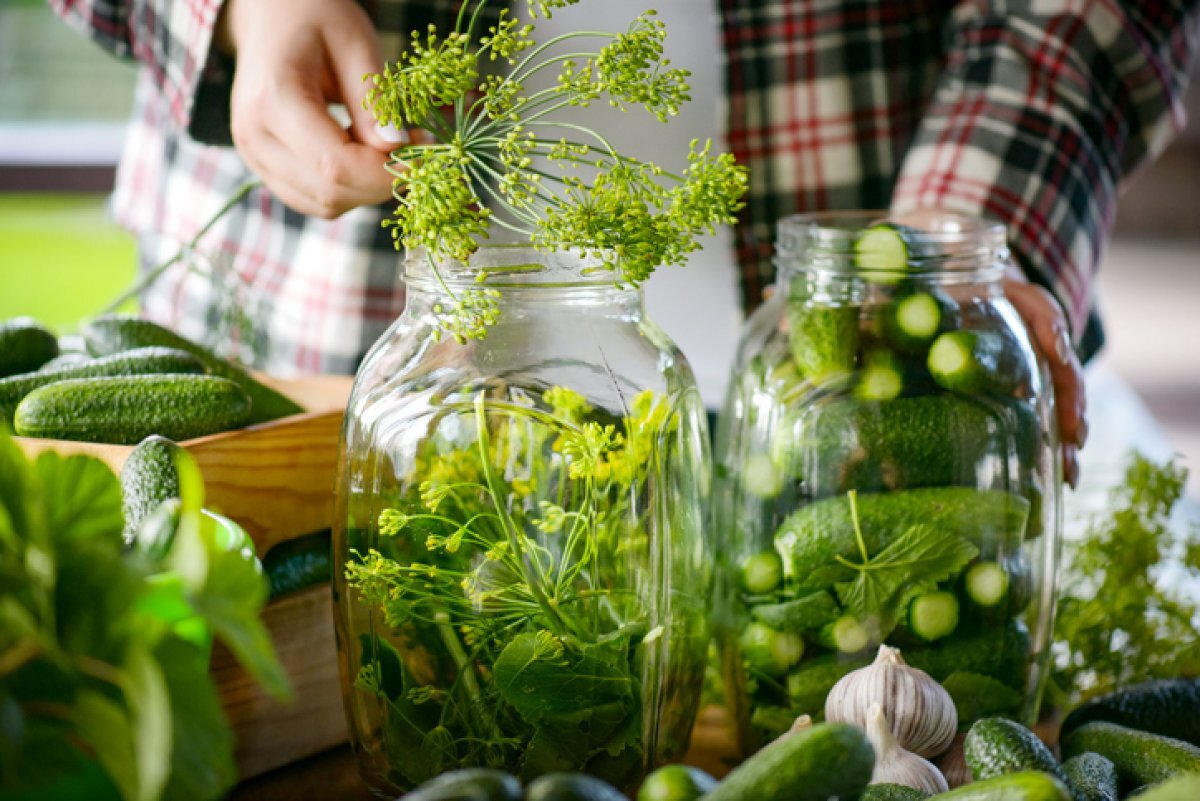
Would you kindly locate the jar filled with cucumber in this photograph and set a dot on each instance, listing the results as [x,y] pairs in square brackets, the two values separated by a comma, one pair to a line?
[887,472]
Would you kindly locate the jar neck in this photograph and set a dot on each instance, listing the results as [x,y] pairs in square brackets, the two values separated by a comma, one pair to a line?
[527,281]
[952,249]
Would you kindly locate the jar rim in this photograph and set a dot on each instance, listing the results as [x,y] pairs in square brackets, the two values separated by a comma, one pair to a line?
[510,265]
[952,242]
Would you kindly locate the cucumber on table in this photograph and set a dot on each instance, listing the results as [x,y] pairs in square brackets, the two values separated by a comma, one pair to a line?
[65,360]
[148,478]
[469,784]
[571,787]
[826,761]
[1185,787]
[676,783]
[25,345]
[143,361]
[1091,777]
[977,363]
[997,747]
[124,411]
[114,333]
[298,564]
[1170,707]
[1027,785]
[892,792]
[1140,757]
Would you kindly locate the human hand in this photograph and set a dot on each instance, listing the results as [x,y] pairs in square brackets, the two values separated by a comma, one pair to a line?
[294,57]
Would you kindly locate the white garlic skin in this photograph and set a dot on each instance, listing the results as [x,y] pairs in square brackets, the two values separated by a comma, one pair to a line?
[920,711]
[895,765]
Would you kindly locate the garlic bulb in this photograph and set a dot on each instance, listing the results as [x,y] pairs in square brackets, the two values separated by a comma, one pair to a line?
[921,712]
[894,765]
[953,764]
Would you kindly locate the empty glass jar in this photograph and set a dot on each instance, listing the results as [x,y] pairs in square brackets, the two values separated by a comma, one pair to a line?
[887,473]
[521,571]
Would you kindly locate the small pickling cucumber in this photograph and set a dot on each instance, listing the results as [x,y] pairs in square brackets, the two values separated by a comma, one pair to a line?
[823,339]
[1182,788]
[148,478]
[882,252]
[761,573]
[933,615]
[977,363]
[769,651]
[65,360]
[676,783]
[798,616]
[114,333]
[571,787]
[1140,757]
[1001,656]
[1170,707]
[826,761]
[1029,785]
[987,583]
[880,379]
[892,792]
[913,319]
[1091,777]
[143,361]
[126,410]
[25,345]
[997,747]
[846,635]
[469,784]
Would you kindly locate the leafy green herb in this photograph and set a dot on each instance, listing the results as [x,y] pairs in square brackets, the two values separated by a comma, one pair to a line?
[1118,624]
[513,159]
[104,651]
[911,564]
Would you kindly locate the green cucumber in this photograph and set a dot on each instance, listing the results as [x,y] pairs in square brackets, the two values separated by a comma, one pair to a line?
[996,747]
[978,363]
[761,477]
[114,333]
[571,787]
[1140,757]
[769,651]
[798,616]
[933,615]
[124,411]
[811,681]
[977,696]
[65,360]
[1091,777]
[892,792]
[881,252]
[25,345]
[148,478]
[846,635]
[987,583]
[1027,785]
[761,573]
[881,378]
[676,783]
[143,361]
[826,761]
[298,564]
[1185,787]
[469,784]
[1170,707]
[913,319]
[999,654]
[823,339]
[813,536]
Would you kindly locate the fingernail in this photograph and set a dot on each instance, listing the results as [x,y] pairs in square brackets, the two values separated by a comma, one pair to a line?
[390,133]
[1062,344]
[1070,467]
[1083,432]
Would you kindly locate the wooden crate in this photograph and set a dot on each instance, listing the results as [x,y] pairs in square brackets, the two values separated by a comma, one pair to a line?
[277,481]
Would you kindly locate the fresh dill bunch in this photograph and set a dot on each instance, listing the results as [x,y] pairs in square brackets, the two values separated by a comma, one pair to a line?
[508,158]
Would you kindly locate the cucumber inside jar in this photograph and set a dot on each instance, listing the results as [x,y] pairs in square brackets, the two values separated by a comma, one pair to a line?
[909,486]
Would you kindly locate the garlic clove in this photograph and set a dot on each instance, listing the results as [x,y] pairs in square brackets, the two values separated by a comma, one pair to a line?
[953,764]
[895,765]
[921,712]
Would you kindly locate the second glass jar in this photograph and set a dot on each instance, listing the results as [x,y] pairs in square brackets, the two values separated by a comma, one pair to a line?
[887,472]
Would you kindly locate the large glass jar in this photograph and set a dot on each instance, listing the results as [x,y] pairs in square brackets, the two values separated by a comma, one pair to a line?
[522,579]
[887,473]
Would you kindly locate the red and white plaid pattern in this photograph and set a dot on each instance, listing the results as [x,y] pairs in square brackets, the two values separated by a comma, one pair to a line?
[1028,111]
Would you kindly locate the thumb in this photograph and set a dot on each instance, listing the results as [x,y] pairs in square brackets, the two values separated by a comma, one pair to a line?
[353,48]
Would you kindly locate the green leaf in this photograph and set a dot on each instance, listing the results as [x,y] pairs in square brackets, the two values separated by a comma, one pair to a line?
[923,555]
[149,703]
[977,696]
[544,683]
[82,498]
[105,726]
[202,765]
[15,481]
[405,730]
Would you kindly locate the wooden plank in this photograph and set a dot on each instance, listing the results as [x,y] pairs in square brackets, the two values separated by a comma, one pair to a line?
[270,733]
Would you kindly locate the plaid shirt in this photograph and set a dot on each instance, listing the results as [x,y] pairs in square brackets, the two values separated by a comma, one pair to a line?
[1027,111]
